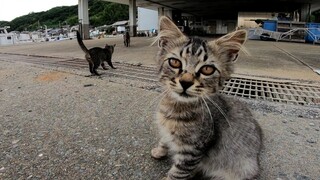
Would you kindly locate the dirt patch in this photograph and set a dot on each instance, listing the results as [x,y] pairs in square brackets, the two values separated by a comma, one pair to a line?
[51,76]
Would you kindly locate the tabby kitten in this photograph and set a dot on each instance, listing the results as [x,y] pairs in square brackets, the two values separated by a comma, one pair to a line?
[96,56]
[209,135]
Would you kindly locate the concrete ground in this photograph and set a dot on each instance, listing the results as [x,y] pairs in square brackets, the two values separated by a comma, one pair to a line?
[265,59]
[56,123]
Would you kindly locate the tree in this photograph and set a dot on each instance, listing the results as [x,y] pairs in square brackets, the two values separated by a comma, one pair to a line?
[100,13]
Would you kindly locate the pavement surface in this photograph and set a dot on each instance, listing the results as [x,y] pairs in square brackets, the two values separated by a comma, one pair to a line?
[265,59]
[57,123]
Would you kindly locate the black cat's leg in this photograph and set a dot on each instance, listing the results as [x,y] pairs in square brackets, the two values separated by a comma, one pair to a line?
[185,163]
[110,64]
[91,68]
[104,66]
[95,67]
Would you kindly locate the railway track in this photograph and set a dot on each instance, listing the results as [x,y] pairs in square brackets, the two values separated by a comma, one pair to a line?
[285,92]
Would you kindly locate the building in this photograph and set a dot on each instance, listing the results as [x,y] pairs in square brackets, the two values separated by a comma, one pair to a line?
[211,17]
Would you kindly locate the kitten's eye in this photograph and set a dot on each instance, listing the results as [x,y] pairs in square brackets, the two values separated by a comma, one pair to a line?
[207,70]
[175,63]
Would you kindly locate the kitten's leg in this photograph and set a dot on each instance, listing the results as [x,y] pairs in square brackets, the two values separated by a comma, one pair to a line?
[104,66]
[185,163]
[160,151]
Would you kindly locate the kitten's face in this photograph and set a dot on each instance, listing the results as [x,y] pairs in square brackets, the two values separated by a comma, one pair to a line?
[190,71]
[192,68]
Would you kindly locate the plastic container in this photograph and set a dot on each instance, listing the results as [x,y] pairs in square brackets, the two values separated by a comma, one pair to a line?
[270,25]
[313,28]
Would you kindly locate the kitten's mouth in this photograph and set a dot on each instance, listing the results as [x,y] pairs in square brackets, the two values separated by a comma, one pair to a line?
[184,94]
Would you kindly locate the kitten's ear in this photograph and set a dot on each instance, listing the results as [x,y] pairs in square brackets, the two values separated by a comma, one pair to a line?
[114,45]
[229,45]
[168,31]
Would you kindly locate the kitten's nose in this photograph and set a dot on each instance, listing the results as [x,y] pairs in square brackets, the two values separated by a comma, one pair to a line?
[186,84]
[186,80]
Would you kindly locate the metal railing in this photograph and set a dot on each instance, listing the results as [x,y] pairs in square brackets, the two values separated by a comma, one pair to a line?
[282,35]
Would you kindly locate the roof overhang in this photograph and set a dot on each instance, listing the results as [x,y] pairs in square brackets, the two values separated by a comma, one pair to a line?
[222,9]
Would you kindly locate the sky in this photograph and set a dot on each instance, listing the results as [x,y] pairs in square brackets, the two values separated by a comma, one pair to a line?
[10,9]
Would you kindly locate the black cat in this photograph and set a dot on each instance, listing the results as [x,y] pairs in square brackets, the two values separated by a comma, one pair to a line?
[126,39]
[96,56]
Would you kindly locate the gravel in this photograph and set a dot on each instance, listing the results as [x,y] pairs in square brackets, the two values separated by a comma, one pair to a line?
[58,124]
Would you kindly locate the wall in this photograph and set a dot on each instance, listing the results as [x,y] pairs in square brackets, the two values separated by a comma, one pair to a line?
[6,39]
[147,19]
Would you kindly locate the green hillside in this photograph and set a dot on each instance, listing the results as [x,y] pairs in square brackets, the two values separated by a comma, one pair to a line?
[100,13]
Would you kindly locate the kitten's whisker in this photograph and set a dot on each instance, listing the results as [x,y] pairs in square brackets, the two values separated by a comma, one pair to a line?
[225,116]
[207,107]
[202,108]
[161,96]
[210,132]
[202,111]
[220,110]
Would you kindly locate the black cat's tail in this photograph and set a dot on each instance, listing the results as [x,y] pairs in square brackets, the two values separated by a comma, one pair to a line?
[80,42]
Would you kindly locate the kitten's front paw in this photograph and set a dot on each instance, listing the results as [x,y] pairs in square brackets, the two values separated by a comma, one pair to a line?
[159,152]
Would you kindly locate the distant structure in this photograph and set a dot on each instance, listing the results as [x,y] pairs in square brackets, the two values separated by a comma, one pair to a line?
[120,26]
[205,17]
[7,38]
[147,20]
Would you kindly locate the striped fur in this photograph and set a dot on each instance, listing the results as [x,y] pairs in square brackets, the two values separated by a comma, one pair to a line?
[206,132]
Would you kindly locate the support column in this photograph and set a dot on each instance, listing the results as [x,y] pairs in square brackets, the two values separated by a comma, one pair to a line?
[160,11]
[164,12]
[133,17]
[168,13]
[305,13]
[83,14]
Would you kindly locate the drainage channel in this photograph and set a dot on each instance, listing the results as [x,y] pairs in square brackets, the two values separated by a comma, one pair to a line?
[273,91]
[283,92]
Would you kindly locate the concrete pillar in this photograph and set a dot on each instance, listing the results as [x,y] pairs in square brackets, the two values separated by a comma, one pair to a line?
[160,11]
[164,12]
[305,12]
[83,14]
[133,17]
[168,13]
